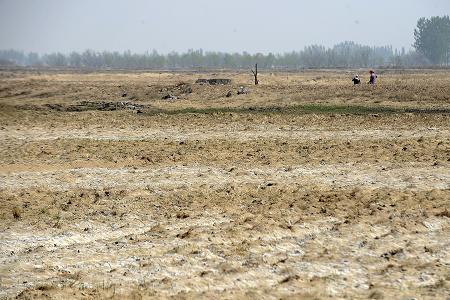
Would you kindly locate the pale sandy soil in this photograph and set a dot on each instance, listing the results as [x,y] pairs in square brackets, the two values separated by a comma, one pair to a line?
[224,204]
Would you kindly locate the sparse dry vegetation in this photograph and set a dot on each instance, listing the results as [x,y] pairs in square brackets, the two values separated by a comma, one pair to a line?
[306,187]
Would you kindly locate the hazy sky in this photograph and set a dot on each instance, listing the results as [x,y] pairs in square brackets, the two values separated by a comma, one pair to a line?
[226,25]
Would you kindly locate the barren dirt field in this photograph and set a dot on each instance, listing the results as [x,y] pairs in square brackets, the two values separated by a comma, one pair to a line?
[307,187]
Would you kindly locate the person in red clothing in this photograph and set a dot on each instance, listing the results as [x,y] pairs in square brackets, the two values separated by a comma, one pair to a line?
[373,77]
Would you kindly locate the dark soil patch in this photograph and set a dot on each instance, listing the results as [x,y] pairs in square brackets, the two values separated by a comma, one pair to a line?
[84,106]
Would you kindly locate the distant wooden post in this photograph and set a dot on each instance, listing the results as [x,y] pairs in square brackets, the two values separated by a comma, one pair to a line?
[255,73]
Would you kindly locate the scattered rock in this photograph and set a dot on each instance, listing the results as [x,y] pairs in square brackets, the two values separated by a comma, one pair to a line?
[444,213]
[124,94]
[242,90]
[17,213]
[57,107]
[229,94]
[376,295]
[185,234]
[169,97]
[131,106]
[182,215]
[289,278]
[184,88]
[388,255]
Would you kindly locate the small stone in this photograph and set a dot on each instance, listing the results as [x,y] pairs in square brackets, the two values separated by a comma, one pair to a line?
[169,97]
[242,90]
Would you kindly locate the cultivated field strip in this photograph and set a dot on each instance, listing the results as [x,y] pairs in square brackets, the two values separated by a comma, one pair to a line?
[411,177]
[238,133]
[141,253]
[66,153]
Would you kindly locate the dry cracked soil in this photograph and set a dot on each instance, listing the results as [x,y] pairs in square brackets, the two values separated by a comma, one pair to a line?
[305,188]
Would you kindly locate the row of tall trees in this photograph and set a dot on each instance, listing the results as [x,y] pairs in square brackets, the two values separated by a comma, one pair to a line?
[347,54]
[432,39]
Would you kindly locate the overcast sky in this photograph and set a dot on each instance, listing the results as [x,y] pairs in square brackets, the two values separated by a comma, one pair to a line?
[218,25]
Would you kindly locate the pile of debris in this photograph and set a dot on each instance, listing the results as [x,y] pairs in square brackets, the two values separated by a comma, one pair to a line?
[86,106]
[214,81]
[242,90]
[179,89]
[103,106]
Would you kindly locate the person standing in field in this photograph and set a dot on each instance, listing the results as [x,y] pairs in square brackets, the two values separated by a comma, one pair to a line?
[373,77]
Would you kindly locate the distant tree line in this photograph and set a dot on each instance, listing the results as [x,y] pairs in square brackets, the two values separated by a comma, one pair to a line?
[343,55]
[431,48]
